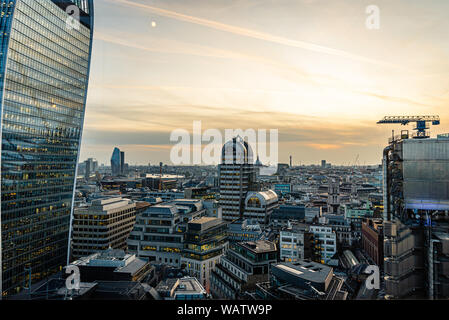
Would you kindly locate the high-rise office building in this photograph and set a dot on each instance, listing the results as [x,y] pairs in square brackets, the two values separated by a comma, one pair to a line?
[90,167]
[416,219]
[116,162]
[323,164]
[237,177]
[44,71]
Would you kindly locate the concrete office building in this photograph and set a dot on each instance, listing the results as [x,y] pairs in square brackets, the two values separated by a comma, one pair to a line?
[187,288]
[296,243]
[356,211]
[244,265]
[347,231]
[302,280]
[167,195]
[326,242]
[213,208]
[373,240]
[102,224]
[158,234]
[281,216]
[108,275]
[205,242]
[246,230]
[282,188]
[237,177]
[259,206]
[114,265]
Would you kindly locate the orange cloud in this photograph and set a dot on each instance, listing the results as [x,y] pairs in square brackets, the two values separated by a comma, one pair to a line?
[321,146]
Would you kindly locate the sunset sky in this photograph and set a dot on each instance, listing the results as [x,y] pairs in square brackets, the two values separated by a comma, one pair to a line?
[309,68]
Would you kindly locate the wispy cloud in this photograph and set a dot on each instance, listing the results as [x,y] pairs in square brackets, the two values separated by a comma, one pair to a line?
[393,98]
[255,34]
[179,47]
[172,47]
[182,48]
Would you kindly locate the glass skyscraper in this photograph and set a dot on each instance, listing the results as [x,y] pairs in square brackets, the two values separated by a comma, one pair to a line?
[44,70]
[116,162]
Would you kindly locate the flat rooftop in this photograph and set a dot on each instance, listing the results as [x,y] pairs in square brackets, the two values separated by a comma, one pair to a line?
[132,267]
[203,220]
[189,285]
[441,236]
[113,258]
[259,246]
[307,270]
[164,176]
[186,285]
[204,223]
[142,204]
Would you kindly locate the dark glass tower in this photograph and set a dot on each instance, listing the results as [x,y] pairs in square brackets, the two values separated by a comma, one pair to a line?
[44,72]
[116,162]
[122,162]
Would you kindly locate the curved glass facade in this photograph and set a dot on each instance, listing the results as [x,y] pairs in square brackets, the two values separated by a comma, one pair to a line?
[116,163]
[44,72]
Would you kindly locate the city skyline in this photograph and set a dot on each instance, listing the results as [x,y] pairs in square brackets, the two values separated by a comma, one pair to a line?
[308,68]
[235,150]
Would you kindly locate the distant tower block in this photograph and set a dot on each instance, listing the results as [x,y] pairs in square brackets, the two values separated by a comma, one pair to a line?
[290,161]
[354,190]
[323,163]
[333,201]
